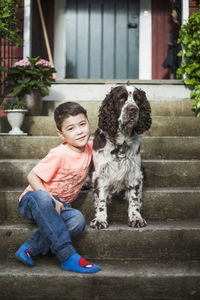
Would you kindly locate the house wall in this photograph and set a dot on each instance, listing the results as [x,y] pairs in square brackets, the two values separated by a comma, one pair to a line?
[193,6]
[159,49]
[18,51]
[13,53]
[9,53]
[38,44]
[162,26]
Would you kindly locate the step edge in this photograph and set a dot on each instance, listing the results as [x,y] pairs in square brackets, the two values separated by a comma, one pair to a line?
[173,225]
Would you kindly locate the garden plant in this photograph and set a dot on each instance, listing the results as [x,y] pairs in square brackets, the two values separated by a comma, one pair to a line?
[189,71]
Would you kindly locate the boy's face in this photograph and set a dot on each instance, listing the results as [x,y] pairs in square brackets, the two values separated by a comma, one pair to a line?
[75,131]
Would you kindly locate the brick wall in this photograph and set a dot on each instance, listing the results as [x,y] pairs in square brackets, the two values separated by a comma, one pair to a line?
[193,6]
[13,53]
[18,51]
[9,52]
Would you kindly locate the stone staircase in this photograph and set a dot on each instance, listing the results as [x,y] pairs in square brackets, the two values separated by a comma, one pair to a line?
[160,261]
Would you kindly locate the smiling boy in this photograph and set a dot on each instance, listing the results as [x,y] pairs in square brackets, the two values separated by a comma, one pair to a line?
[54,183]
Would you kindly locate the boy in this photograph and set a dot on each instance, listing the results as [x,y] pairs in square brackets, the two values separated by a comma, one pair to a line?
[53,184]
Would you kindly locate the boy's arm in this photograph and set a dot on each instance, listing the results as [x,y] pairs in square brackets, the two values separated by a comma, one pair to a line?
[37,184]
[35,181]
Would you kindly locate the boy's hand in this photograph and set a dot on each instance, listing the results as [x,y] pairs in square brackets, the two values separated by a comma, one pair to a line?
[59,205]
[37,184]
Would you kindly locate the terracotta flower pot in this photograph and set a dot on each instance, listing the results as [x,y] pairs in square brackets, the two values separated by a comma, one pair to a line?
[33,102]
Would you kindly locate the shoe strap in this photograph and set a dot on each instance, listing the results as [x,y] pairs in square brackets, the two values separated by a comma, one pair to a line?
[85,264]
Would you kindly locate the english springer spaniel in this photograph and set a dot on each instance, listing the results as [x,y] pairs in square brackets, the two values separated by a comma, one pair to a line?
[123,116]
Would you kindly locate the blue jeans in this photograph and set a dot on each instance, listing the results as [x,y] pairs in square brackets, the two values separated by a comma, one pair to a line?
[55,231]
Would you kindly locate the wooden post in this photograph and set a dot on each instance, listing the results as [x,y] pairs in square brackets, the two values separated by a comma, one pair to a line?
[45,35]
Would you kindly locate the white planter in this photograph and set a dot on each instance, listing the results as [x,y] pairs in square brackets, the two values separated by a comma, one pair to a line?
[15,119]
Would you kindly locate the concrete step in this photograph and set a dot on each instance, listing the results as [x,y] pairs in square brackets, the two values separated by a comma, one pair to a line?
[116,281]
[95,90]
[171,173]
[161,125]
[158,173]
[174,126]
[170,147]
[163,240]
[181,107]
[158,204]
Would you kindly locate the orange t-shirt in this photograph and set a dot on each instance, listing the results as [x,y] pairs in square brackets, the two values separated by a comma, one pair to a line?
[63,171]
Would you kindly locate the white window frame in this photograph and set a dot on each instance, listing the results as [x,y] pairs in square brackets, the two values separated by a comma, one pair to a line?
[27,29]
[145,40]
[185,11]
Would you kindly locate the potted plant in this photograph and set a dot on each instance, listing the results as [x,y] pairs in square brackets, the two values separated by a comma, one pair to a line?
[15,108]
[30,79]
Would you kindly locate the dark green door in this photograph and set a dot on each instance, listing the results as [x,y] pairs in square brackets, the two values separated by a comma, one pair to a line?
[102,38]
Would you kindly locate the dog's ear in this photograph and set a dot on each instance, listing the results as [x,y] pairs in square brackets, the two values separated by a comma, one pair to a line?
[144,122]
[99,140]
[108,118]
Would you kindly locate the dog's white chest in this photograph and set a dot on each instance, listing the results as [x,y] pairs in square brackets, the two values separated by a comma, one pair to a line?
[116,165]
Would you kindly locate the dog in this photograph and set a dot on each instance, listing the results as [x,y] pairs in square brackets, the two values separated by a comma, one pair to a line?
[124,115]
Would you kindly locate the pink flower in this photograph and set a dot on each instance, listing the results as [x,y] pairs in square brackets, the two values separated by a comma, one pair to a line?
[43,63]
[22,63]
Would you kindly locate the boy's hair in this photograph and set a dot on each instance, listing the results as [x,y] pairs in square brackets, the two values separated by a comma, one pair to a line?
[66,110]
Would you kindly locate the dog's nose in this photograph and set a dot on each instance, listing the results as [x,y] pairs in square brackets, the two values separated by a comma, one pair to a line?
[133,108]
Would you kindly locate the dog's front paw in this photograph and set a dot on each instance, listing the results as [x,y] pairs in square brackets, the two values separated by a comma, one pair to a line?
[98,223]
[137,221]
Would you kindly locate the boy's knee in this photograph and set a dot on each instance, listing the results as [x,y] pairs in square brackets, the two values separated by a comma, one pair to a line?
[42,193]
[79,223]
[42,197]
[80,220]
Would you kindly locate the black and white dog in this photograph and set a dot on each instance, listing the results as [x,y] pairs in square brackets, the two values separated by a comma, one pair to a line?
[123,116]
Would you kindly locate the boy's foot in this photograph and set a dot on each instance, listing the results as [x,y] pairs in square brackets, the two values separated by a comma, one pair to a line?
[76,263]
[23,254]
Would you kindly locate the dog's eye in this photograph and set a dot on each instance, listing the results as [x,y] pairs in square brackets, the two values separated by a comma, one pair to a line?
[123,97]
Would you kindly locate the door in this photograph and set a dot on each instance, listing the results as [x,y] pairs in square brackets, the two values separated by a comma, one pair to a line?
[102,39]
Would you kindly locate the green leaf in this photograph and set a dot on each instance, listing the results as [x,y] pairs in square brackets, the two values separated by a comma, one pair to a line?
[26,80]
[192,94]
[33,60]
[33,83]
[17,90]
[44,91]
[188,70]
[9,22]
[194,106]
[190,81]
[188,53]
[8,90]
[32,72]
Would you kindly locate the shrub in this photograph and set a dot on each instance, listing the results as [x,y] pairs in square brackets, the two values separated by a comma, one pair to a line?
[189,71]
